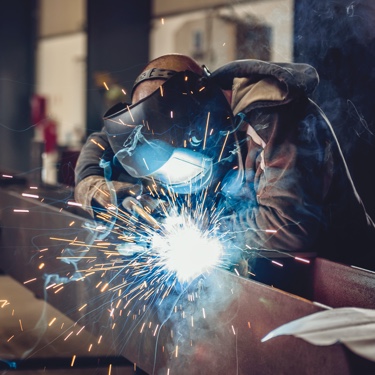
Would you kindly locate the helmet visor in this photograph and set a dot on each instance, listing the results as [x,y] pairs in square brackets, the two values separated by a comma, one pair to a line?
[180,135]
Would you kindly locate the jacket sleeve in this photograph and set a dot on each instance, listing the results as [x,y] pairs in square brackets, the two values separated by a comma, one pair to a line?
[95,148]
[288,173]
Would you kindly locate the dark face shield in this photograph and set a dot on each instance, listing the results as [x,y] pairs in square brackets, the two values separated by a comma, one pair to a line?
[181,136]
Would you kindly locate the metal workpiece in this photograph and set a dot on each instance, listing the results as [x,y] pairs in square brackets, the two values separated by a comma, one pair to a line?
[213,325]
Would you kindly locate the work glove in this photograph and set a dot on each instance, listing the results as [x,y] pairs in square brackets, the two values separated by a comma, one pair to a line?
[94,194]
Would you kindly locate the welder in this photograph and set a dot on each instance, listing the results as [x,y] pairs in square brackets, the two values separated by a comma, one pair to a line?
[249,127]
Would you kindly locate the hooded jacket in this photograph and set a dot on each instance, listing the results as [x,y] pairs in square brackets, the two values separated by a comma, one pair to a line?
[302,194]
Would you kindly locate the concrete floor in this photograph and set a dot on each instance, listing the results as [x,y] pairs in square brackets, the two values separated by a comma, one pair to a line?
[36,338]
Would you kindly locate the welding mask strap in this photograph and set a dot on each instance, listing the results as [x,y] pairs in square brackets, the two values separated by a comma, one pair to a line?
[153,73]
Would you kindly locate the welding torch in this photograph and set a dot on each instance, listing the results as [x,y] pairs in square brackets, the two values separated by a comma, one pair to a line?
[135,207]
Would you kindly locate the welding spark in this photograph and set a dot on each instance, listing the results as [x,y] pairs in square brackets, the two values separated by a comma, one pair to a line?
[277,263]
[4,303]
[185,250]
[73,360]
[30,195]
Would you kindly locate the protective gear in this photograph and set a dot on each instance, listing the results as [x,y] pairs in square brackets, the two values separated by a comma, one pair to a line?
[181,136]
[153,73]
[93,193]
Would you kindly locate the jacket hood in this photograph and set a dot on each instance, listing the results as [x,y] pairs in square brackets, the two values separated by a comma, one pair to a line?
[256,83]
[293,76]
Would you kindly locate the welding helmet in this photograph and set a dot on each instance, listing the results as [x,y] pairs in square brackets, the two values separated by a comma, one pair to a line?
[181,136]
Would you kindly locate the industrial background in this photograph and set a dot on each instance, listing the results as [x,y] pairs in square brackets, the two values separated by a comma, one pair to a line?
[56,55]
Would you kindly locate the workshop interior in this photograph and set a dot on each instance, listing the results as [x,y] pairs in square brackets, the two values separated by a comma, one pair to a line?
[74,297]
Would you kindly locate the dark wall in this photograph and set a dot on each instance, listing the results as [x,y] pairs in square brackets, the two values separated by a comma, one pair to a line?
[338,38]
[118,46]
[17,62]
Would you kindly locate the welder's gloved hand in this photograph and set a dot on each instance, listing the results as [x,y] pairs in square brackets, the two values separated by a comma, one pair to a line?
[93,193]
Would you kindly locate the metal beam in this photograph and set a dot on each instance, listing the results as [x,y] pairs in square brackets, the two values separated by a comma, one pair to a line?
[215,326]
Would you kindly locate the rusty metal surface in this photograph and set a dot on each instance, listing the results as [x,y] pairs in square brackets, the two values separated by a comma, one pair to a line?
[228,339]
[219,331]
[338,285]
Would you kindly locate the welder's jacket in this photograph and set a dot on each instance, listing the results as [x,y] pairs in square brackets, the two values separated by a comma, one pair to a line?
[296,197]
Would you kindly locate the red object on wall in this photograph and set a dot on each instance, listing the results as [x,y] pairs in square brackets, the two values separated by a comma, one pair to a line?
[49,135]
[46,125]
[38,109]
